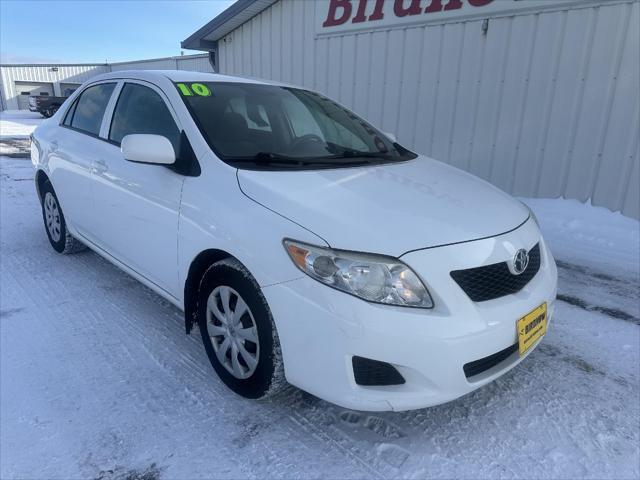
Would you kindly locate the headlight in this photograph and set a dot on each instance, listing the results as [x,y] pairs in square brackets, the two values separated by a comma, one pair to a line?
[371,277]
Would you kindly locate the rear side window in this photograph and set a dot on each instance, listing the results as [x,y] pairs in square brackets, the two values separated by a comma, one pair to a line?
[141,110]
[86,114]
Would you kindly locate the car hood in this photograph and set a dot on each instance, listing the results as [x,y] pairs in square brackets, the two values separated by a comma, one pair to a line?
[388,209]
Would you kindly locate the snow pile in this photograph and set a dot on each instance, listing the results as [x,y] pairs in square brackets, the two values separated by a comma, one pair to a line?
[590,236]
[18,123]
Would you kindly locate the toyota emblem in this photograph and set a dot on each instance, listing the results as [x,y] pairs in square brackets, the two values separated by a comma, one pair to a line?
[520,261]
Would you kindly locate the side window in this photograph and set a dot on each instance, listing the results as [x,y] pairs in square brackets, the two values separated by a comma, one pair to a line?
[69,116]
[89,109]
[142,110]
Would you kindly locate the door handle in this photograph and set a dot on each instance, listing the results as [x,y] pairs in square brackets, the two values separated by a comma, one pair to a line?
[99,166]
[54,145]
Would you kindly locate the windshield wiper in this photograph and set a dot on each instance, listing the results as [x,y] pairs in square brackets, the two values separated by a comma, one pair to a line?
[270,158]
[359,154]
[341,152]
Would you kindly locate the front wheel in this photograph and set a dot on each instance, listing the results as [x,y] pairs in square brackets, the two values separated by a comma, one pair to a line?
[59,237]
[238,331]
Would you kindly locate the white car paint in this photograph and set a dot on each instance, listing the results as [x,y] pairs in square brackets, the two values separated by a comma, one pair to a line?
[148,148]
[153,222]
[421,204]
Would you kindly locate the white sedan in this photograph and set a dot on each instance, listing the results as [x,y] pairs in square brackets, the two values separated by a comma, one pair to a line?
[307,246]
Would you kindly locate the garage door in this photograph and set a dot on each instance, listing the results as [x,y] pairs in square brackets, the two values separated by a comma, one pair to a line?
[25,89]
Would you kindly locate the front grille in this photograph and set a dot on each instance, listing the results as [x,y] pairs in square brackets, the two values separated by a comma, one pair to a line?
[495,281]
[484,364]
[371,373]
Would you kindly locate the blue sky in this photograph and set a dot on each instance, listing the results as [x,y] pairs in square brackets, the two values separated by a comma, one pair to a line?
[95,31]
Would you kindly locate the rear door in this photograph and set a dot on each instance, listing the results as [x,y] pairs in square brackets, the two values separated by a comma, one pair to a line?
[75,148]
[137,205]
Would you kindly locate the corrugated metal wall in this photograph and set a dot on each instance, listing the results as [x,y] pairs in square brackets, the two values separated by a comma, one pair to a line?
[545,104]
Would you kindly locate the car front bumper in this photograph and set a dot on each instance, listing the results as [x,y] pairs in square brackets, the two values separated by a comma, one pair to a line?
[321,329]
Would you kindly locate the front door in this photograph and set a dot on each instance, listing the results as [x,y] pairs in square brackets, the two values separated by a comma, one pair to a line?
[136,205]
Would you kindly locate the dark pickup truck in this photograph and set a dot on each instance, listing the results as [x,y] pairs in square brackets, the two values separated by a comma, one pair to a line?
[47,105]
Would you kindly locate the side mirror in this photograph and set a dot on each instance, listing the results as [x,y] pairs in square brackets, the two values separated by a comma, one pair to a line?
[145,148]
[391,137]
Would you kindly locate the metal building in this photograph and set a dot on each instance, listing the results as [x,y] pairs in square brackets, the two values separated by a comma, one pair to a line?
[539,97]
[19,81]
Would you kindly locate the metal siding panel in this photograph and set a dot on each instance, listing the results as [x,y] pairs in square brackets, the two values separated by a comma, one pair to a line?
[322,65]
[466,115]
[297,39]
[347,71]
[245,50]
[490,93]
[265,44]
[430,71]
[409,85]
[287,40]
[237,53]
[309,44]
[333,68]
[392,80]
[222,58]
[452,46]
[624,123]
[276,39]
[596,81]
[379,45]
[551,97]
[567,102]
[512,102]
[538,89]
[362,74]
[256,34]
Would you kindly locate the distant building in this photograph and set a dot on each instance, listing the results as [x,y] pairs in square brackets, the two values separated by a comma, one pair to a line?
[19,81]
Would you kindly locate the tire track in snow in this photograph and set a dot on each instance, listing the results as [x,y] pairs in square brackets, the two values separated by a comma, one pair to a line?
[157,347]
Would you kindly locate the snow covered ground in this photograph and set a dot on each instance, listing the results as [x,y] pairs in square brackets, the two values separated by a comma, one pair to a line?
[98,379]
[15,128]
[18,123]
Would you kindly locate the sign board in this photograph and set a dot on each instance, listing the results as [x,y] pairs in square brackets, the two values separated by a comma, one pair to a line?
[342,16]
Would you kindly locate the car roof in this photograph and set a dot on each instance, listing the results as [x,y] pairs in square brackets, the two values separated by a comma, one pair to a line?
[179,76]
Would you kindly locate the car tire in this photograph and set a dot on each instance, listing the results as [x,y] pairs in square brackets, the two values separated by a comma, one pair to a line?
[54,223]
[248,335]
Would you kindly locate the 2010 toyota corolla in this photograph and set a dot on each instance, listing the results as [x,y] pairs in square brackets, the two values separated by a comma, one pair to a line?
[304,243]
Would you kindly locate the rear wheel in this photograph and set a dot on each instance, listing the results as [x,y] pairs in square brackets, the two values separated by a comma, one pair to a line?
[238,331]
[59,237]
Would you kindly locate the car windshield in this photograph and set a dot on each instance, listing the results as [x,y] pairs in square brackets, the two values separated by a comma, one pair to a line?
[266,126]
